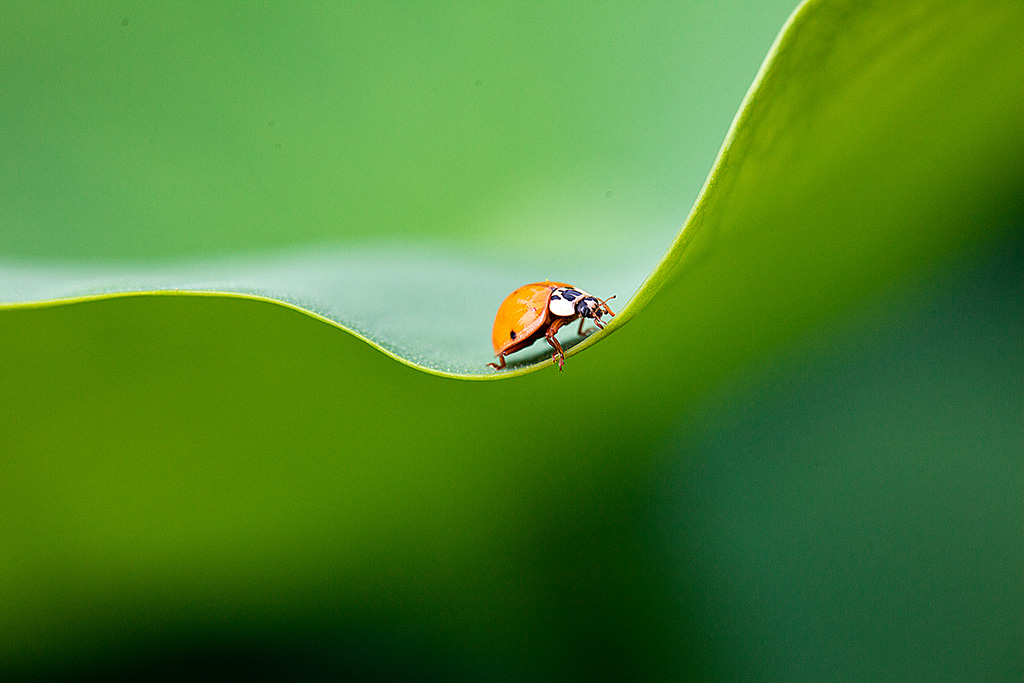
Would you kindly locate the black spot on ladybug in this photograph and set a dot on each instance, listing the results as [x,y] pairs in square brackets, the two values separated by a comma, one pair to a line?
[512,334]
[555,296]
[570,294]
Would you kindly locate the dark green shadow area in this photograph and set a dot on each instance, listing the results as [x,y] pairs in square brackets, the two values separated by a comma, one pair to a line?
[851,510]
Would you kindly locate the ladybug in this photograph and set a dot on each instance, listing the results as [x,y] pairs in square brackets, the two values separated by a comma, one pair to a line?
[538,311]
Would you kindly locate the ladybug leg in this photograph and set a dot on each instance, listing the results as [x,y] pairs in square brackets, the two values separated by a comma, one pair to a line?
[495,365]
[587,333]
[558,356]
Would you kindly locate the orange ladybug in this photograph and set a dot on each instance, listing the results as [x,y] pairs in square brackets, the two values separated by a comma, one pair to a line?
[538,311]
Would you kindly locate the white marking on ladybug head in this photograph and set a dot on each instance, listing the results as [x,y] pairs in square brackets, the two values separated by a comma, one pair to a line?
[563,301]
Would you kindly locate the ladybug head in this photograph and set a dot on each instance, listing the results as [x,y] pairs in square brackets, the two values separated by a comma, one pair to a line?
[594,308]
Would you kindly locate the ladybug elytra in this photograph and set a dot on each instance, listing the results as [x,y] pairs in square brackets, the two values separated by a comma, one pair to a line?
[538,311]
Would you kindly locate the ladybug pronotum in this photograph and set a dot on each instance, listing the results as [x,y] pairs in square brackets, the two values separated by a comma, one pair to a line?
[538,311]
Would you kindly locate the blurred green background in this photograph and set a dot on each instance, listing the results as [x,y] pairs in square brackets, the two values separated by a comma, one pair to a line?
[733,486]
[150,130]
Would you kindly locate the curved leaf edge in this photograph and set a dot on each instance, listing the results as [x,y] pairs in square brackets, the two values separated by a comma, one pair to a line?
[655,280]
[673,255]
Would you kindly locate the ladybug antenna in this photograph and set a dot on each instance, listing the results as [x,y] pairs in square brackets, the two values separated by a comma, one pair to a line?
[604,302]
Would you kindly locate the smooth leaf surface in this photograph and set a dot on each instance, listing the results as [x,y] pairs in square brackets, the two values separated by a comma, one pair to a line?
[404,149]
[195,484]
[848,100]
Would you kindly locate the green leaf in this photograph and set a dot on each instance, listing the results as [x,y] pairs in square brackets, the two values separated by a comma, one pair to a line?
[849,100]
[401,193]
[186,473]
